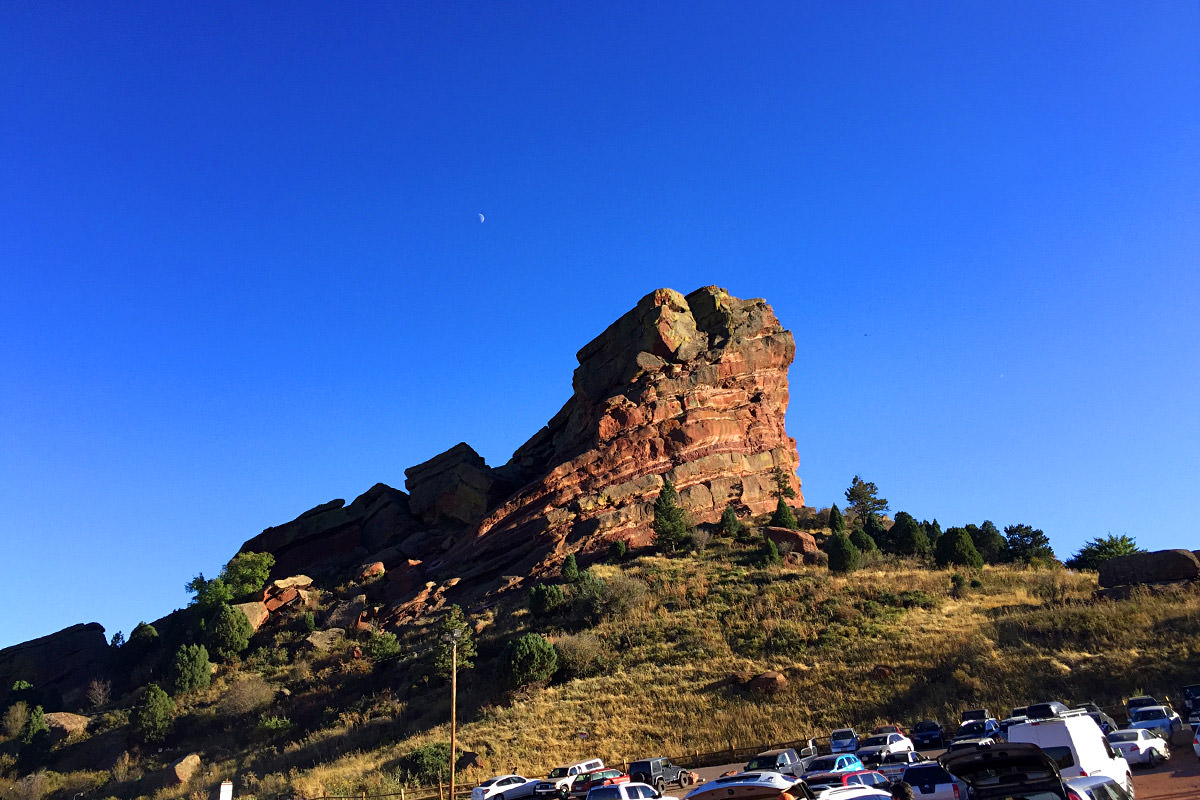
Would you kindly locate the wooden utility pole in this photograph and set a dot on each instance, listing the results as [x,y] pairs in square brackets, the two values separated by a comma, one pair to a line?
[453,705]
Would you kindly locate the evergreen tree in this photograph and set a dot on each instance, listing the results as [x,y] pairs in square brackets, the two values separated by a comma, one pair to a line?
[933,532]
[907,537]
[247,573]
[1096,551]
[730,524]
[529,659]
[671,526]
[770,552]
[545,600]
[190,669]
[1027,544]
[783,516]
[863,499]
[988,541]
[570,569]
[454,620]
[862,541]
[227,632]
[837,523]
[151,720]
[879,533]
[843,556]
[783,486]
[955,547]
[35,728]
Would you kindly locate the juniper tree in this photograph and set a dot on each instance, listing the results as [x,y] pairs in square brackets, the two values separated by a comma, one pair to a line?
[671,525]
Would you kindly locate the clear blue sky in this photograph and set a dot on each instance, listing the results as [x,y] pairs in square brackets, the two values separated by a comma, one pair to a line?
[243,273]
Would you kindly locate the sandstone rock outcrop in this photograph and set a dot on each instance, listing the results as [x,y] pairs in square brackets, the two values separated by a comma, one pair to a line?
[1156,567]
[60,665]
[799,542]
[688,388]
[63,724]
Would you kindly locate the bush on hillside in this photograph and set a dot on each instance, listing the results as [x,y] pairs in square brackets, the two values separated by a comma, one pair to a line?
[783,516]
[907,537]
[190,669]
[730,524]
[580,655]
[618,550]
[863,542]
[837,523]
[956,548]
[381,645]
[843,556]
[228,632]
[529,659]
[547,600]
[570,569]
[152,719]
[671,524]
[427,765]
[1096,551]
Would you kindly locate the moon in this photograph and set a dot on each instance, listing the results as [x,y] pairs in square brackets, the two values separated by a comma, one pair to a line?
[481,217]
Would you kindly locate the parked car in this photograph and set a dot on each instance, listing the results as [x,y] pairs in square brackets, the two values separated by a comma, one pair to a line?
[843,740]
[1140,701]
[1196,740]
[558,782]
[743,786]
[853,793]
[1077,747]
[874,746]
[928,733]
[1019,711]
[977,729]
[892,765]
[632,790]
[931,781]
[974,713]
[836,762]
[970,744]
[863,777]
[1007,723]
[504,787]
[587,781]
[784,760]
[1005,771]
[1152,717]
[1191,699]
[658,772]
[1100,787]
[1047,710]
[878,729]
[1140,746]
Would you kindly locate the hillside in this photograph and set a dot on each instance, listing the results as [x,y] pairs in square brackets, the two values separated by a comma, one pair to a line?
[651,655]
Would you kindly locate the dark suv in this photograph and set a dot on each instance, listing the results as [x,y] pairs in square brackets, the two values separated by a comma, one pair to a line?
[658,772]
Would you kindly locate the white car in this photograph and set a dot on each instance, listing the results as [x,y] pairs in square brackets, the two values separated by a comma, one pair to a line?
[504,787]
[1151,717]
[627,791]
[883,743]
[1140,746]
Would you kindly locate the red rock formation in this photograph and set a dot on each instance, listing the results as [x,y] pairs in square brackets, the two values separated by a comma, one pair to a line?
[688,388]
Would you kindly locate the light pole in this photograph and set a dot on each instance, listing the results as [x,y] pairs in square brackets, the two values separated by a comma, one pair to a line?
[452,637]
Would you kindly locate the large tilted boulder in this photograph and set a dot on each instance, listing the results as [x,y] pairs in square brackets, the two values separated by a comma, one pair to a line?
[60,665]
[1156,567]
[693,389]
[63,724]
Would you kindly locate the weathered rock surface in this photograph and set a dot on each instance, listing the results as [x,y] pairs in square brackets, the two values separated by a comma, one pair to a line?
[63,724]
[255,611]
[326,640]
[60,665]
[799,542]
[769,682]
[688,388]
[183,770]
[1155,567]
[455,486]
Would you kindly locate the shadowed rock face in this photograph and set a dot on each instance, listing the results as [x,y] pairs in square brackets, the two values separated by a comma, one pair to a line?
[1155,567]
[692,388]
[59,666]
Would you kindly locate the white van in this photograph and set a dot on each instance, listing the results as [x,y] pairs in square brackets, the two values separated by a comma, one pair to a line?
[1075,743]
[558,782]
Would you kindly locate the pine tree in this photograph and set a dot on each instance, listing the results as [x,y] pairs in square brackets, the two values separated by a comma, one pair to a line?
[783,516]
[530,659]
[228,632]
[862,541]
[570,569]
[671,526]
[190,669]
[455,620]
[151,720]
[956,548]
[730,524]
[907,537]
[837,523]
[863,498]
[843,556]
[783,486]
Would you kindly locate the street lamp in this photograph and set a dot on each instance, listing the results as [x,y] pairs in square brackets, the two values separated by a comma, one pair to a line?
[452,637]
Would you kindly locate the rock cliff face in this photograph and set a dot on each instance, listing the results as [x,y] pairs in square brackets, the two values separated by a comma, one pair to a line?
[59,666]
[688,388]
[692,388]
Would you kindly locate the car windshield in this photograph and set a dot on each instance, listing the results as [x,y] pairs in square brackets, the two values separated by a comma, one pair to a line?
[1123,736]
[558,772]
[922,727]
[762,762]
[976,728]
[605,793]
[1144,714]
[874,741]
[823,763]
[488,782]
[844,733]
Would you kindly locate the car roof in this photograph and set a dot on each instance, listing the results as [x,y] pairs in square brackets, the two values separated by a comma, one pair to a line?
[775,752]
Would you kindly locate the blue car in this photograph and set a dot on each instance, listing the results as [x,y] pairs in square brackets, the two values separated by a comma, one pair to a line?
[838,762]
[928,733]
[978,729]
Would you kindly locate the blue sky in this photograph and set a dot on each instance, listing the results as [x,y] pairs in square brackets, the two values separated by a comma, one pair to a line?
[243,273]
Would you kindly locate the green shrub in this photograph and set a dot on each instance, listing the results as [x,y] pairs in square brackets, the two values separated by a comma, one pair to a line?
[381,645]
[308,621]
[152,719]
[671,525]
[956,548]
[270,724]
[35,730]
[190,669]
[907,537]
[427,765]
[228,632]
[547,600]
[862,541]
[843,555]
[783,516]
[770,552]
[529,659]
[837,523]
[730,524]
[618,550]
[570,569]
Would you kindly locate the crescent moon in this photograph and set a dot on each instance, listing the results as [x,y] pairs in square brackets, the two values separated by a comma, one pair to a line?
[481,217]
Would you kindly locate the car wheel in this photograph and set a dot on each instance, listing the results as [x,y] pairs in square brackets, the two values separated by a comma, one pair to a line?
[685,779]
[660,784]
[1152,758]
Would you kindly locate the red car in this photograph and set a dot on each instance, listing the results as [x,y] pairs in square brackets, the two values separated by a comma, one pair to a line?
[586,781]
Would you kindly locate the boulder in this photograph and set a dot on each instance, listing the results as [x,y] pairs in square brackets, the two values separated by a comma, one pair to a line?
[799,542]
[277,599]
[769,682]
[62,724]
[294,582]
[183,770]
[326,640]
[255,611]
[368,571]
[452,486]
[1155,567]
